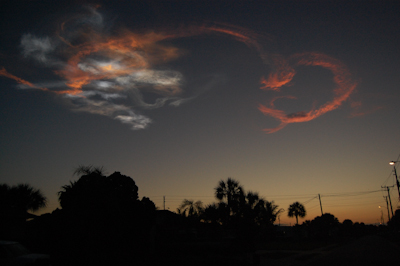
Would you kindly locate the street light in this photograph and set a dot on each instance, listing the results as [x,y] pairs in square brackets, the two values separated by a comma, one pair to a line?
[381,215]
[395,174]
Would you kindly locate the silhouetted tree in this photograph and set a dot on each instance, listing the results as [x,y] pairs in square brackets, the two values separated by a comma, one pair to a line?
[148,204]
[15,202]
[346,228]
[217,213]
[189,208]
[89,169]
[245,215]
[267,212]
[252,199]
[258,210]
[21,198]
[394,223]
[230,191]
[96,192]
[324,226]
[348,223]
[296,209]
[248,208]
[99,209]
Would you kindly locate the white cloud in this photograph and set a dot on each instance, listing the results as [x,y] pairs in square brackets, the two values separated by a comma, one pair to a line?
[134,120]
[105,80]
[37,48]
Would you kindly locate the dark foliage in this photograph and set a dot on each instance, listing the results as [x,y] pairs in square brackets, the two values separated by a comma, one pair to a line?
[96,192]
[394,223]
[15,202]
[244,216]
[297,209]
[326,225]
[20,198]
[102,221]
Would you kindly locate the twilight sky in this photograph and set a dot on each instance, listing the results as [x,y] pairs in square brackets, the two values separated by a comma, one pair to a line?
[291,98]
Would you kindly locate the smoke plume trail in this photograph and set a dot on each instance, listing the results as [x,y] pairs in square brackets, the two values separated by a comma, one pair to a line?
[108,74]
[284,74]
[24,83]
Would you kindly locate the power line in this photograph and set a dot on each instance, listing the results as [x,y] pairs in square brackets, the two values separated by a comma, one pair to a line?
[304,203]
[175,199]
[283,196]
[312,207]
[347,194]
[350,194]
[360,204]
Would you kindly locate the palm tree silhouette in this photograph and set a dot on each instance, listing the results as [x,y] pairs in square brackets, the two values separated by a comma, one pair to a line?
[296,209]
[189,208]
[252,198]
[249,205]
[267,212]
[89,169]
[232,192]
[21,198]
[217,213]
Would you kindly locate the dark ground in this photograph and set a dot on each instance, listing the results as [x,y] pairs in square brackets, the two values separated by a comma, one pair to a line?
[368,250]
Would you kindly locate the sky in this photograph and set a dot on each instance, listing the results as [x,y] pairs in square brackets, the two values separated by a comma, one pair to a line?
[293,99]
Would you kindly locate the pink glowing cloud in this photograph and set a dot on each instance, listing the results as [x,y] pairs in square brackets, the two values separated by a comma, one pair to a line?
[284,73]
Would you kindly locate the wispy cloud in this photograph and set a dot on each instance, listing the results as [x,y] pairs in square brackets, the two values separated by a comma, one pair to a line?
[37,48]
[109,73]
[358,113]
[23,83]
[98,69]
[284,73]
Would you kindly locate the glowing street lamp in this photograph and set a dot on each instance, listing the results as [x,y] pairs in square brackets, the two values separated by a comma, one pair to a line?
[395,174]
[381,215]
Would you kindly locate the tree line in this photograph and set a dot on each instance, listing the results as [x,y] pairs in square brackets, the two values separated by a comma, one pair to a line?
[99,209]
[235,204]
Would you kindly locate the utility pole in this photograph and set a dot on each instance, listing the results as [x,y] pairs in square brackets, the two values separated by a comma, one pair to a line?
[320,204]
[382,220]
[387,205]
[164,202]
[397,180]
[390,201]
[395,174]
